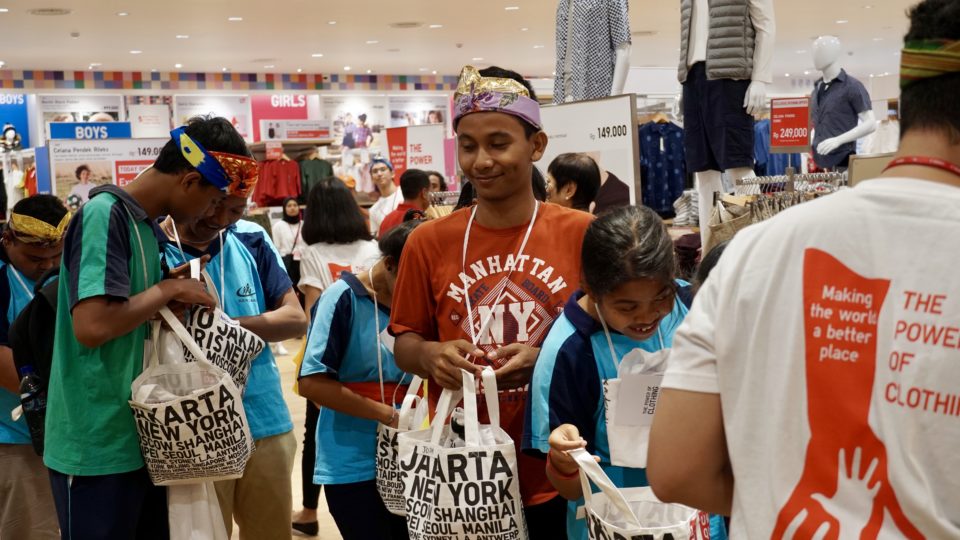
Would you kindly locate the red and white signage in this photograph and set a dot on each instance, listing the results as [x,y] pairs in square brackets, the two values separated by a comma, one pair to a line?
[417,147]
[276,130]
[789,125]
[274,149]
[126,171]
[277,107]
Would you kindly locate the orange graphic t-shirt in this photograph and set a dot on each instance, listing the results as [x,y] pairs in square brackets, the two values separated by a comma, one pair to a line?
[433,284]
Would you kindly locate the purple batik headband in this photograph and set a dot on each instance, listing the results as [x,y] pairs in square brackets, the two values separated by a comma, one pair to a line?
[476,93]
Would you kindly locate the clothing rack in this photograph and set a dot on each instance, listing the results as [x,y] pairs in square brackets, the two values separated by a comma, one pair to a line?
[810,182]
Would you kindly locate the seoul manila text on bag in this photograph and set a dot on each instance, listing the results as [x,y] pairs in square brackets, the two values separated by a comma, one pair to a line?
[190,417]
[633,513]
[226,344]
[413,412]
[462,488]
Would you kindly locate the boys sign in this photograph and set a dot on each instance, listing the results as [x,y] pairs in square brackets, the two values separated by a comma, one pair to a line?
[462,490]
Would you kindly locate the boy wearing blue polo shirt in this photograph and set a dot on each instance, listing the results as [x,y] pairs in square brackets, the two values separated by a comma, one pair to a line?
[111,284]
[32,245]
[254,289]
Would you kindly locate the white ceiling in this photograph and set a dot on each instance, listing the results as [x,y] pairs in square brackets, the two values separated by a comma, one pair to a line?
[285,33]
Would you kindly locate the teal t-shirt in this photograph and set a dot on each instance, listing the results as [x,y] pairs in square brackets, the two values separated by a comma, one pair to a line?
[16,291]
[90,429]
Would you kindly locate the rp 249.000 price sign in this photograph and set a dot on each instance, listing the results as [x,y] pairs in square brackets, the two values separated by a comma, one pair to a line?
[789,125]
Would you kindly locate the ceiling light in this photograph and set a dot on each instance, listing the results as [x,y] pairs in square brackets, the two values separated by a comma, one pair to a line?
[183,36]
[871,75]
[538,46]
[423,70]
[369,71]
[154,70]
[436,26]
[524,29]
[806,72]
[3,10]
[512,8]
[331,23]
[122,14]
[271,66]
[317,55]
[868,7]
[225,69]
[477,58]
[786,74]
[393,50]
[95,64]
[842,21]
[234,19]
[299,70]
[178,66]
[434,72]
[372,42]
[135,51]
[347,68]
[50,12]
[878,39]
[801,51]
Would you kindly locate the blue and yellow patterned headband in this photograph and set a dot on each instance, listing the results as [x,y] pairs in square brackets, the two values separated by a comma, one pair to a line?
[231,173]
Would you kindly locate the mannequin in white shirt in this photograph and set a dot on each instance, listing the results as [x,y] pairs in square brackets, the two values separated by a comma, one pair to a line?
[762,18]
[826,58]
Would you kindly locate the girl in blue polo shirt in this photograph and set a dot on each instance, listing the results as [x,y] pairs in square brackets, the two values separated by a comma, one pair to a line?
[348,348]
[627,311]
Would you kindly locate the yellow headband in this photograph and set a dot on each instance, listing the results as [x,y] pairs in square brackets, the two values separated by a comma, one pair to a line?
[36,231]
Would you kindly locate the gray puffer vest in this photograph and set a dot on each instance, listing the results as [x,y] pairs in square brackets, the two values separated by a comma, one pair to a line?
[730,43]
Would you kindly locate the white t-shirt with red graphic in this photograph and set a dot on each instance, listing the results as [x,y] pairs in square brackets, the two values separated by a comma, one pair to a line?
[831,333]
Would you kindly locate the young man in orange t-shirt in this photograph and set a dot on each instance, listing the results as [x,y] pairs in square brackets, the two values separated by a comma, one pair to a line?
[482,286]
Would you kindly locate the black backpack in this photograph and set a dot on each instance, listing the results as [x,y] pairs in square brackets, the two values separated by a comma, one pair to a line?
[31,333]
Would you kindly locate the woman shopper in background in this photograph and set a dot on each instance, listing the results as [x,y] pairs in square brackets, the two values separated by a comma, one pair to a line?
[336,239]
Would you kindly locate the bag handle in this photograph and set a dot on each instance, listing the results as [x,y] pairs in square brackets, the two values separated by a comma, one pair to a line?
[211,288]
[590,471]
[181,332]
[410,401]
[471,424]
[448,400]
[491,396]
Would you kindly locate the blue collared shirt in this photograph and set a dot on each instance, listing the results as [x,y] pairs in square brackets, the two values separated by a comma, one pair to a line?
[835,109]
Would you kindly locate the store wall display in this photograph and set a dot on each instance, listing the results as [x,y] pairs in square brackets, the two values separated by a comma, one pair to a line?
[150,120]
[13,111]
[419,110]
[279,107]
[177,80]
[80,108]
[79,166]
[841,111]
[356,121]
[606,130]
[234,108]
[726,53]
[417,147]
[593,49]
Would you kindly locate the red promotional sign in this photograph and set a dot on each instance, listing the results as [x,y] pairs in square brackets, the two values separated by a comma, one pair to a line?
[274,149]
[126,171]
[397,143]
[277,107]
[789,125]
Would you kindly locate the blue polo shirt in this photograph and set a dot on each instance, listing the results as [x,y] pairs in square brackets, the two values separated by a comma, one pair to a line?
[254,283]
[567,388]
[343,344]
[835,109]
[14,296]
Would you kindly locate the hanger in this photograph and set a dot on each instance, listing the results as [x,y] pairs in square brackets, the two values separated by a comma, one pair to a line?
[660,118]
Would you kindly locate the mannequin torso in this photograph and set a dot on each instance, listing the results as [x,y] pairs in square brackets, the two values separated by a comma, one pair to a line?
[598,65]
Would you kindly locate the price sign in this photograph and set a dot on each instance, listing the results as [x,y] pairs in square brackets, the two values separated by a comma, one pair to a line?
[274,150]
[789,125]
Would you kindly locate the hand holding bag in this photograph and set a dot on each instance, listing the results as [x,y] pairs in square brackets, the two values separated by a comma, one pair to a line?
[633,512]
[413,412]
[190,417]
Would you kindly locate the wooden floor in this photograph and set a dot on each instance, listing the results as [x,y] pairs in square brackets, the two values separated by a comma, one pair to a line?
[296,404]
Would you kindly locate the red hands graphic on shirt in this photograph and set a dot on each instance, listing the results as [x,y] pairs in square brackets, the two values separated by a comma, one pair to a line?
[844,489]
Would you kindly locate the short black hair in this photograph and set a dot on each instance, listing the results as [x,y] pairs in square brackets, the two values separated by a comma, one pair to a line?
[332,215]
[580,169]
[498,72]
[214,133]
[391,245]
[539,182]
[443,181]
[932,104]
[412,182]
[624,244]
[80,169]
[707,263]
[46,208]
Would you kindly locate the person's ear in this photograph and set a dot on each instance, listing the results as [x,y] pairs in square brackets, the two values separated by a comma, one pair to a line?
[568,190]
[539,140]
[391,265]
[190,179]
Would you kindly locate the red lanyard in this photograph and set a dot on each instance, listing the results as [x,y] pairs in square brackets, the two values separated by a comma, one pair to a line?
[924,161]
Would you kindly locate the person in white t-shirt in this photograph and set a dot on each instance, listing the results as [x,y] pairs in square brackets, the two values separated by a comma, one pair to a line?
[381,171]
[813,387]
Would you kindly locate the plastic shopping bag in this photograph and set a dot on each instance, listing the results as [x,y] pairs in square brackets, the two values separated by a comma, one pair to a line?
[193,513]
